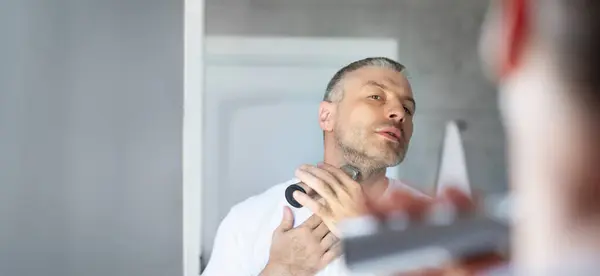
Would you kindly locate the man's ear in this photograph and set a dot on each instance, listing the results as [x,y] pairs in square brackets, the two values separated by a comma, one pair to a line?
[516,23]
[327,116]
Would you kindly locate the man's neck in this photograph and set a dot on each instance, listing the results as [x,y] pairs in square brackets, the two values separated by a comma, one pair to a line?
[374,182]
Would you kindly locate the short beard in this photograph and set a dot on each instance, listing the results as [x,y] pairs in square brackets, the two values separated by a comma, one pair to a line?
[366,165]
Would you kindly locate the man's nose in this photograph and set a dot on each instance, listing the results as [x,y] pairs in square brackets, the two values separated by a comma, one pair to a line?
[396,113]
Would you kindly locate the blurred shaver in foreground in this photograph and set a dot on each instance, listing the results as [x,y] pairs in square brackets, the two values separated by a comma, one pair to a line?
[543,55]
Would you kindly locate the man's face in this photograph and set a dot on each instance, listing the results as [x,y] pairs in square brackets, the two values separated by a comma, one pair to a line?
[374,119]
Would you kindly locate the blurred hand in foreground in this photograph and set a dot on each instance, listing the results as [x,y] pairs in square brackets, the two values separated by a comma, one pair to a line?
[416,208]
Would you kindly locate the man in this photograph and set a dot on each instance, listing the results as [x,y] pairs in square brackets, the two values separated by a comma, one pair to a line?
[367,119]
[543,54]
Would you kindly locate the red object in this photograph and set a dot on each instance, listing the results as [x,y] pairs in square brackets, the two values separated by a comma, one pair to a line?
[514,34]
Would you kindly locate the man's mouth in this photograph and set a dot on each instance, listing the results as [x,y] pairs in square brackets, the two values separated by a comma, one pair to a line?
[392,134]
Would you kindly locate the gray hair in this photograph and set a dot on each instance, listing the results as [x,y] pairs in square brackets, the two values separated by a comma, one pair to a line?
[333,91]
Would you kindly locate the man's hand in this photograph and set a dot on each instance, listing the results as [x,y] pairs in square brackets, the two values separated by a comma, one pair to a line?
[341,196]
[303,250]
[417,208]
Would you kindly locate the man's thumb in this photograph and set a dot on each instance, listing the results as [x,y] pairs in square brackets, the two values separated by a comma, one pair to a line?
[287,222]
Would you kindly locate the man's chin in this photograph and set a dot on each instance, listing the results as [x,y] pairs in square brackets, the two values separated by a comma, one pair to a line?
[388,161]
[396,160]
[393,163]
[389,155]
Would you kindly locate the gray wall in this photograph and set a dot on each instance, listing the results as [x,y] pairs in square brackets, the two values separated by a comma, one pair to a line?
[437,41]
[90,137]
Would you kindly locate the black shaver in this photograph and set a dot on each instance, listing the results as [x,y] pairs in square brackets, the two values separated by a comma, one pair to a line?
[350,170]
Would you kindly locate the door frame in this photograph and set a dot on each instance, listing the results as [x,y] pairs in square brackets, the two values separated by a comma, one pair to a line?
[192,134]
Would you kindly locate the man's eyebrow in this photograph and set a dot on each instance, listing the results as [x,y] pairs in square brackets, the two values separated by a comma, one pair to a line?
[385,87]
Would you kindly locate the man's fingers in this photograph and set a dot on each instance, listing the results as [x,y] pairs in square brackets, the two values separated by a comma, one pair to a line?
[346,181]
[426,272]
[318,185]
[321,187]
[287,221]
[400,201]
[392,202]
[310,203]
[331,254]
[459,199]
[320,231]
[479,264]
[418,208]
[331,181]
[329,240]
[312,222]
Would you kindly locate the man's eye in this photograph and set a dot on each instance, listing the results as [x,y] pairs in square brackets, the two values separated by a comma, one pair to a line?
[375,97]
[407,111]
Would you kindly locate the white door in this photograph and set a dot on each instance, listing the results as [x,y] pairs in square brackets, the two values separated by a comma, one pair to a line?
[260,120]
